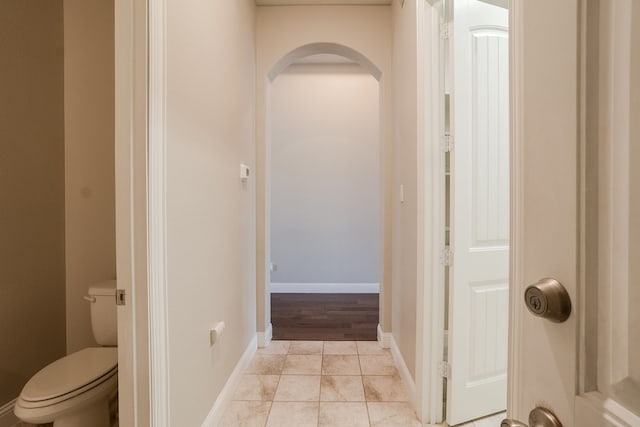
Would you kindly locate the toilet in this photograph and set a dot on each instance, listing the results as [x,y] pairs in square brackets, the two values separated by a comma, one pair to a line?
[75,391]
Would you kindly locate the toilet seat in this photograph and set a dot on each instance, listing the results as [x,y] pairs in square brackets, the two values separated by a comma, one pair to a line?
[70,376]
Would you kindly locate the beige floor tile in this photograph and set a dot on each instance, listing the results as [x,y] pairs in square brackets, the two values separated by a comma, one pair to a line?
[245,414]
[275,347]
[293,414]
[490,421]
[343,414]
[378,365]
[266,364]
[340,365]
[392,415]
[371,347]
[305,347]
[256,387]
[340,347]
[302,364]
[298,388]
[384,389]
[347,388]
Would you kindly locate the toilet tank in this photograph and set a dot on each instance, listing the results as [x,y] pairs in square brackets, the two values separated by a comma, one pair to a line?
[102,297]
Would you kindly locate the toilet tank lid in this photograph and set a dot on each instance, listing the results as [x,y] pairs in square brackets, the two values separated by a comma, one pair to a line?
[107,287]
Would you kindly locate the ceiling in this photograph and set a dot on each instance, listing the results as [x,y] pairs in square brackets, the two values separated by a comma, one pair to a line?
[316,2]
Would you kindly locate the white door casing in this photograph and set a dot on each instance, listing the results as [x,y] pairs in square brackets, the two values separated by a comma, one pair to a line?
[574,119]
[130,51]
[479,283]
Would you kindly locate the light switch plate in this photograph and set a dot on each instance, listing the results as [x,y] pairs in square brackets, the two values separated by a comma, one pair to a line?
[244,172]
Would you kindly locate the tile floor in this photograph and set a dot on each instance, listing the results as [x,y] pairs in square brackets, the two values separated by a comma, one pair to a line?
[491,421]
[321,383]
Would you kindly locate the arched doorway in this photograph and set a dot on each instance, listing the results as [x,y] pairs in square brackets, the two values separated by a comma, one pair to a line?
[264,200]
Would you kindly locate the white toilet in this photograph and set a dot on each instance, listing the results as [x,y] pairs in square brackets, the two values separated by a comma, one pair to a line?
[75,391]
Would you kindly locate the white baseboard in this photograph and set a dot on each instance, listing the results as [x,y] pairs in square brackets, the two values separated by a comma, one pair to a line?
[264,338]
[224,398]
[7,417]
[325,288]
[384,338]
[404,371]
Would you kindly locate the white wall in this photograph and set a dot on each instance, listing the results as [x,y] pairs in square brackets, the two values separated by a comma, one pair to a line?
[210,212]
[280,30]
[89,158]
[325,189]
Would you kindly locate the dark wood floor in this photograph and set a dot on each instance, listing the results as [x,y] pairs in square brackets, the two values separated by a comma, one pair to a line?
[326,317]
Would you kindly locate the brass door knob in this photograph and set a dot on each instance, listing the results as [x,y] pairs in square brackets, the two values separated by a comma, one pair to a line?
[512,423]
[548,299]
[539,417]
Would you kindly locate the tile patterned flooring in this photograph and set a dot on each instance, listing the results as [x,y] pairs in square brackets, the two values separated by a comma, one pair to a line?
[491,421]
[321,384]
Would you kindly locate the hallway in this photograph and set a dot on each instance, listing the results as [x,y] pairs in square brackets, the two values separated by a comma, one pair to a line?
[321,383]
[325,384]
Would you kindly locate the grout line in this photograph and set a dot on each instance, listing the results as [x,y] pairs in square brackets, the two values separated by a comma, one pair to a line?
[319,393]
[321,365]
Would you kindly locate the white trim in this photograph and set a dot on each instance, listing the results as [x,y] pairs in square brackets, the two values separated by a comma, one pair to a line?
[158,287]
[7,417]
[404,371]
[384,338]
[430,315]
[224,398]
[264,338]
[325,288]
[131,127]
[516,273]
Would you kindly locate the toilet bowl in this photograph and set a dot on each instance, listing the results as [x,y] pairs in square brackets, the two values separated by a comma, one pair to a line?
[72,391]
[76,390]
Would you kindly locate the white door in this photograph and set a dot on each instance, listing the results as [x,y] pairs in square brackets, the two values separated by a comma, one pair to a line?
[576,217]
[479,284]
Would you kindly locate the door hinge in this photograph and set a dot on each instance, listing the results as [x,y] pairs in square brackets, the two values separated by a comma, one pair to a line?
[446,256]
[120,297]
[445,30]
[446,143]
[444,369]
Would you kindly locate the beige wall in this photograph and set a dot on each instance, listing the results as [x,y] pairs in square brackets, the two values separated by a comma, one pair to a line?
[32,301]
[405,215]
[210,212]
[325,174]
[280,30]
[634,197]
[89,158]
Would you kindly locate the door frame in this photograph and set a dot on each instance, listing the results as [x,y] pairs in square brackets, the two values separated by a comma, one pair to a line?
[140,211]
[430,296]
[516,135]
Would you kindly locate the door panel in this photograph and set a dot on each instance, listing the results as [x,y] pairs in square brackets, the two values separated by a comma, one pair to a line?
[545,182]
[575,115]
[480,213]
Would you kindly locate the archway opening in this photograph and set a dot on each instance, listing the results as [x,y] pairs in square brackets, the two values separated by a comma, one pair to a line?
[325,198]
